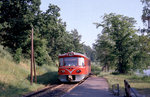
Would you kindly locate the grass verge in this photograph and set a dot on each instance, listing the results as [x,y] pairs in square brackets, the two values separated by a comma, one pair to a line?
[141,84]
[95,69]
[14,78]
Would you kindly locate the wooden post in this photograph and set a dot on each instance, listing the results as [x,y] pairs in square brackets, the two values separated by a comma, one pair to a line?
[118,90]
[115,90]
[31,73]
[127,89]
[35,78]
[131,92]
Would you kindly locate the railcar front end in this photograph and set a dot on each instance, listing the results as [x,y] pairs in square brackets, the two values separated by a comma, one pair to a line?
[73,67]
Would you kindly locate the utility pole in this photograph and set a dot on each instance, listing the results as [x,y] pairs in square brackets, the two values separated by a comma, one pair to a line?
[32,60]
[31,73]
[35,79]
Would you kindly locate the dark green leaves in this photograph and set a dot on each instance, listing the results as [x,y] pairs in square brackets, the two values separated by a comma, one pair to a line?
[116,45]
[17,17]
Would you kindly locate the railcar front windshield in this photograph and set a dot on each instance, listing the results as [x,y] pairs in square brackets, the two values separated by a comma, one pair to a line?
[70,61]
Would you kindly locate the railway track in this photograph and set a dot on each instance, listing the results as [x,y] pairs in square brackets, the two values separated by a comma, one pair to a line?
[54,90]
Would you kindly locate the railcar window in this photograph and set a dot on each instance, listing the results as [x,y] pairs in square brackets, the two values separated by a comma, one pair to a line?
[70,61]
[81,61]
[61,62]
[89,63]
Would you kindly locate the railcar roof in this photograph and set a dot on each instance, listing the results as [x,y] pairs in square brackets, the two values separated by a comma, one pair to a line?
[74,53]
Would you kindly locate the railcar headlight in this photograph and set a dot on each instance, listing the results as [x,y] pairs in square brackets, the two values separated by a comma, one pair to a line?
[62,71]
[78,71]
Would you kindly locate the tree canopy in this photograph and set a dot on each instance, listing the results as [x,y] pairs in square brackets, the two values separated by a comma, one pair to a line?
[118,43]
[17,17]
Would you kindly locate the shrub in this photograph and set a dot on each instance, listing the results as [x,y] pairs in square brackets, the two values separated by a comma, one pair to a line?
[5,54]
[17,55]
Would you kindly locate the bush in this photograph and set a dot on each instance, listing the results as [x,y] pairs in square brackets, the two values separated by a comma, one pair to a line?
[95,69]
[5,54]
[17,55]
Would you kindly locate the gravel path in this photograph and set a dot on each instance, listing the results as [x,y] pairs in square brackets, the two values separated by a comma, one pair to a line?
[92,87]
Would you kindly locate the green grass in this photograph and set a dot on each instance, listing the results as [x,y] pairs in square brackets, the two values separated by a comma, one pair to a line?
[141,84]
[95,69]
[14,78]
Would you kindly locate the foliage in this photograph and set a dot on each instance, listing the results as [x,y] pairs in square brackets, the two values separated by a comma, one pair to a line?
[104,49]
[17,17]
[5,54]
[117,43]
[40,53]
[17,56]
[95,69]
[14,77]
[144,44]
[141,59]
[76,41]
[141,84]
[89,52]
[146,9]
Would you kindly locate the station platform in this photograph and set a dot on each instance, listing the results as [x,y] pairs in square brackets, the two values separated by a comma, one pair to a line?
[92,87]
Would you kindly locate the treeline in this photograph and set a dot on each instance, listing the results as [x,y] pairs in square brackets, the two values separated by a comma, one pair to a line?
[18,17]
[120,46]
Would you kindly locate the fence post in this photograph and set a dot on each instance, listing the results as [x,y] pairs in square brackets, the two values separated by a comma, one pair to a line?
[127,89]
[115,91]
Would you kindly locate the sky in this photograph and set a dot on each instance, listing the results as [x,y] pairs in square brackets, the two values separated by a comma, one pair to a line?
[81,14]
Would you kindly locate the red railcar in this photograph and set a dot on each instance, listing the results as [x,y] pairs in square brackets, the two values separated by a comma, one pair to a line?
[73,67]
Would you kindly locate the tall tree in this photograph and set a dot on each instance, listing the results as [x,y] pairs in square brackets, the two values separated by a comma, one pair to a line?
[78,47]
[144,44]
[16,18]
[54,31]
[146,8]
[120,30]
[104,47]
[142,57]
[50,35]
[89,52]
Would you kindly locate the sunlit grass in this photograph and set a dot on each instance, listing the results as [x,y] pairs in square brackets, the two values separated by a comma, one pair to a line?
[142,84]
[14,78]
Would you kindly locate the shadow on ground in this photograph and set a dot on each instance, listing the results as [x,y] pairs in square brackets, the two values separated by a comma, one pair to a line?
[141,80]
[144,90]
[11,91]
[47,78]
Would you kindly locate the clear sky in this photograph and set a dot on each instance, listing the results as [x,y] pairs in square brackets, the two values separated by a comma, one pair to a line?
[81,14]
